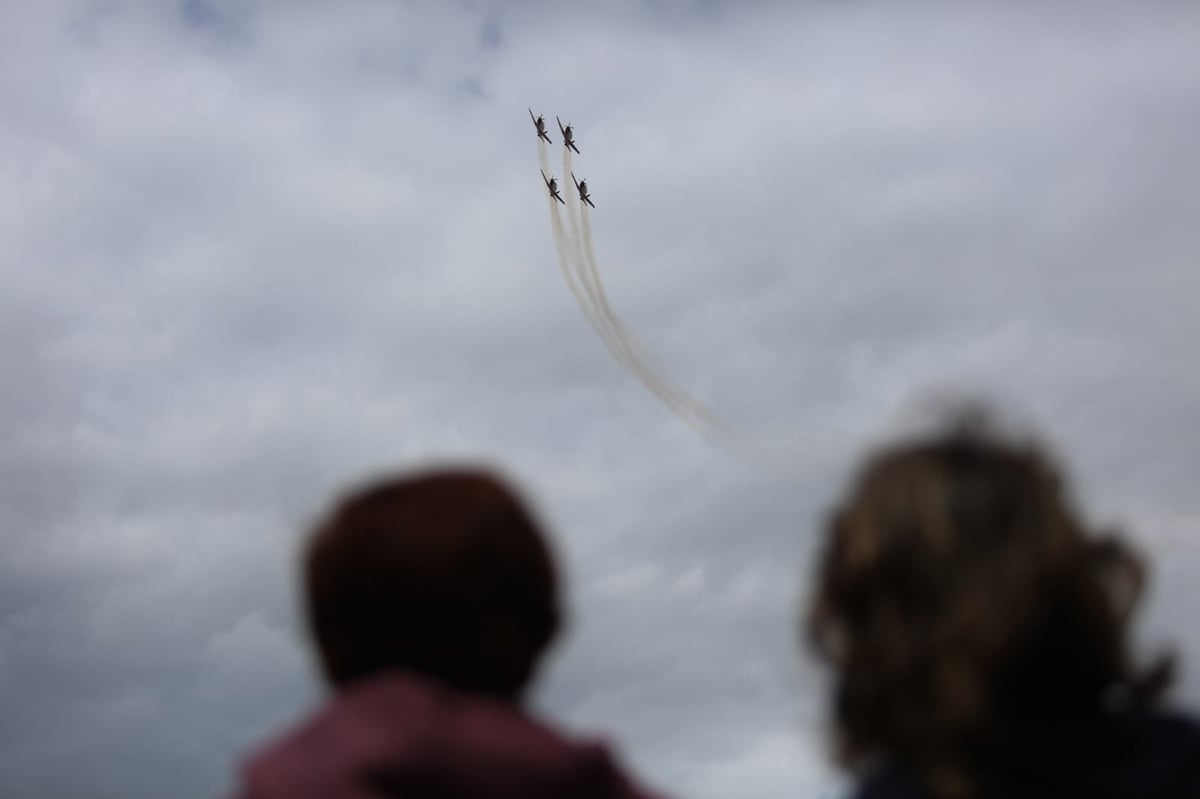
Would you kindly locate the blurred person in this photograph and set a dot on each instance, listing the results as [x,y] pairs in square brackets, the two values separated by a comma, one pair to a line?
[977,630]
[431,599]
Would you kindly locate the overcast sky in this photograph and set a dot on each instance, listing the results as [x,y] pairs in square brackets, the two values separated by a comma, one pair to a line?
[252,252]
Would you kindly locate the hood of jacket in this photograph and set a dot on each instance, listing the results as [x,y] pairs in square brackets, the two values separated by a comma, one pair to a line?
[404,736]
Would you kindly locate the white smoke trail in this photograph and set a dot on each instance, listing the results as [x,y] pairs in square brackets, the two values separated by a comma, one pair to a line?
[577,260]
[564,244]
[610,336]
[619,342]
[626,347]
[642,363]
[636,350]
[560,241]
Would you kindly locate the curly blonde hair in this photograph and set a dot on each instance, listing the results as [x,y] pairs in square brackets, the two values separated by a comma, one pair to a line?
[961,601]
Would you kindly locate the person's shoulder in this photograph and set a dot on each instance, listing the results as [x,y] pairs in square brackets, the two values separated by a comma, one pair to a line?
[1176,732]
[1170,730]
[1162,754]
[1132,752]
[1175,722]
[889,783]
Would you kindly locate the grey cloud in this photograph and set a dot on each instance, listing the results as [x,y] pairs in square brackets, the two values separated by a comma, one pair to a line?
[249,261]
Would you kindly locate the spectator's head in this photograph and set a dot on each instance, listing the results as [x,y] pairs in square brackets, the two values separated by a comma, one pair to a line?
[445,573]
[961,600]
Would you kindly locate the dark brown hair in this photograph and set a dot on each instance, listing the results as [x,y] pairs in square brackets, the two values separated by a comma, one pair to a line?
[961,601]
[444,573]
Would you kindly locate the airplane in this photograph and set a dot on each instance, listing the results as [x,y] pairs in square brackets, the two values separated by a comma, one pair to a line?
[581,187]
[552,185]
[540,124]
[568,136]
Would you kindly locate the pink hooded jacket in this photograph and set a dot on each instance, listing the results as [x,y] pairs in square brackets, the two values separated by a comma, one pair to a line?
[403,736]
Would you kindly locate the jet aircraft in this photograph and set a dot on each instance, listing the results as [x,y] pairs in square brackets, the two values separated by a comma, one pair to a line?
[581,187]
[540,124]
[568,136]
[552,185]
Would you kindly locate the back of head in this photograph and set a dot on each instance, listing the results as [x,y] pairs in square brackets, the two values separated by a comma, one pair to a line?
[444,573]
[962,602]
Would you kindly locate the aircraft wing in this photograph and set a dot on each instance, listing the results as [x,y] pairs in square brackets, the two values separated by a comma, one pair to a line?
[560,126]
[545,178]
[531,116]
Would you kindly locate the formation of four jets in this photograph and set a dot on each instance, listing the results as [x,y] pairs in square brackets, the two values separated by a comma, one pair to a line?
[569,143]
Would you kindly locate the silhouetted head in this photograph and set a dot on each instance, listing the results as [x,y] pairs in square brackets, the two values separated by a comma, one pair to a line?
[445,573]
[962,602]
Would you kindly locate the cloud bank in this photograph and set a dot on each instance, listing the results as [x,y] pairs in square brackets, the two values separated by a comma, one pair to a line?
[253,252]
